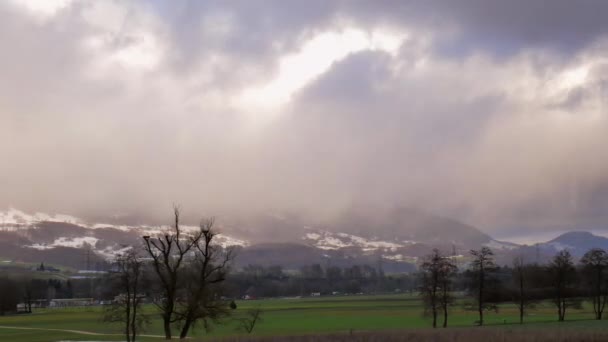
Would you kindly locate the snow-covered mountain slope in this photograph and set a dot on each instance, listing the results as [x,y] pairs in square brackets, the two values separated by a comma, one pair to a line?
[264,239]
[349,244]
[44,233]
[13,219]
[35,235]
[329,240]
[405,224]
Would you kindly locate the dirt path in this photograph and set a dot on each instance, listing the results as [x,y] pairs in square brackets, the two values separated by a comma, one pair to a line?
[81,332]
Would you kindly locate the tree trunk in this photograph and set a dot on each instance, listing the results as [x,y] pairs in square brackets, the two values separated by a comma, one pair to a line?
[445,316]
[480,299]
[434,300]
[128,317]
[167,326]
[185,329]
[521,297]
[602,305]
[598,314]
[134,320]
[562,309]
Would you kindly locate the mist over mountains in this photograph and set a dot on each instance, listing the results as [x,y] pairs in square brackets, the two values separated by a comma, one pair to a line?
[395,239]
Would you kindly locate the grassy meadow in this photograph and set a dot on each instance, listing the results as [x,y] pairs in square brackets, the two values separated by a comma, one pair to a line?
[286,317]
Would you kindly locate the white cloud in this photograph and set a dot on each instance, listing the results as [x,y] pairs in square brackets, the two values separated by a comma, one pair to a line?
[122,39]
[42,9]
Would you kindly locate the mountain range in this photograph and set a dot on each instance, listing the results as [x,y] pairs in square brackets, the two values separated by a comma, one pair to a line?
[395,239]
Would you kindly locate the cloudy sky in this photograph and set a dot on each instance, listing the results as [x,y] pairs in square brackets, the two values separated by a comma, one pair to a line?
[491,112]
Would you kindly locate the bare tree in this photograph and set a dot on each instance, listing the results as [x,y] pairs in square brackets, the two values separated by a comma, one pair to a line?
[448,271]
[520,279]
[126,307]
[480,269]
[252,317]
[429,288]
[595,263]
[435,274]
[563,275]
[207,271]
[168,252]
[27,287]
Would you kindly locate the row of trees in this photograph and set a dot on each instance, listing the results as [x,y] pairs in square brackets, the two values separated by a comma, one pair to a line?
[257,281]
[23,288]
[561,281]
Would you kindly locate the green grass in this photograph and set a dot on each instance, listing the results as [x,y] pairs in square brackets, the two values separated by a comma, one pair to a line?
[45,336]
[293,316]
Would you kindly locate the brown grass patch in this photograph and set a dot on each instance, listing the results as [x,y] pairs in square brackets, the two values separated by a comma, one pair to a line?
[553,334]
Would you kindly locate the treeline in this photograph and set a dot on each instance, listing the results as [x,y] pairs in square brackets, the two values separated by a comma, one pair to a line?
[256,281]
[562,282]
[37,292]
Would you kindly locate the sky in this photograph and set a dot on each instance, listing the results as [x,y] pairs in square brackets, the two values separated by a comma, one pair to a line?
[489,112]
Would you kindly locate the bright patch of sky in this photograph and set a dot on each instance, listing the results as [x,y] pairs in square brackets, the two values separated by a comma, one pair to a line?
[314,58]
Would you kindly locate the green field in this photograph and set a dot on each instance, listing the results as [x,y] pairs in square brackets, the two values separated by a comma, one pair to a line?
[289,317]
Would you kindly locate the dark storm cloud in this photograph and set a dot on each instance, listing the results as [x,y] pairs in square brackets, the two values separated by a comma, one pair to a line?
[501,27]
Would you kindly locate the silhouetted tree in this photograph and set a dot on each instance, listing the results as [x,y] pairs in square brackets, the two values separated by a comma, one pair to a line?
[168,252]
[204,288]
[26,284]
[520,279]
[250,320]
[127,306]
[595,264]
[436,272]
[481,267]
[563,276]
[448,272]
